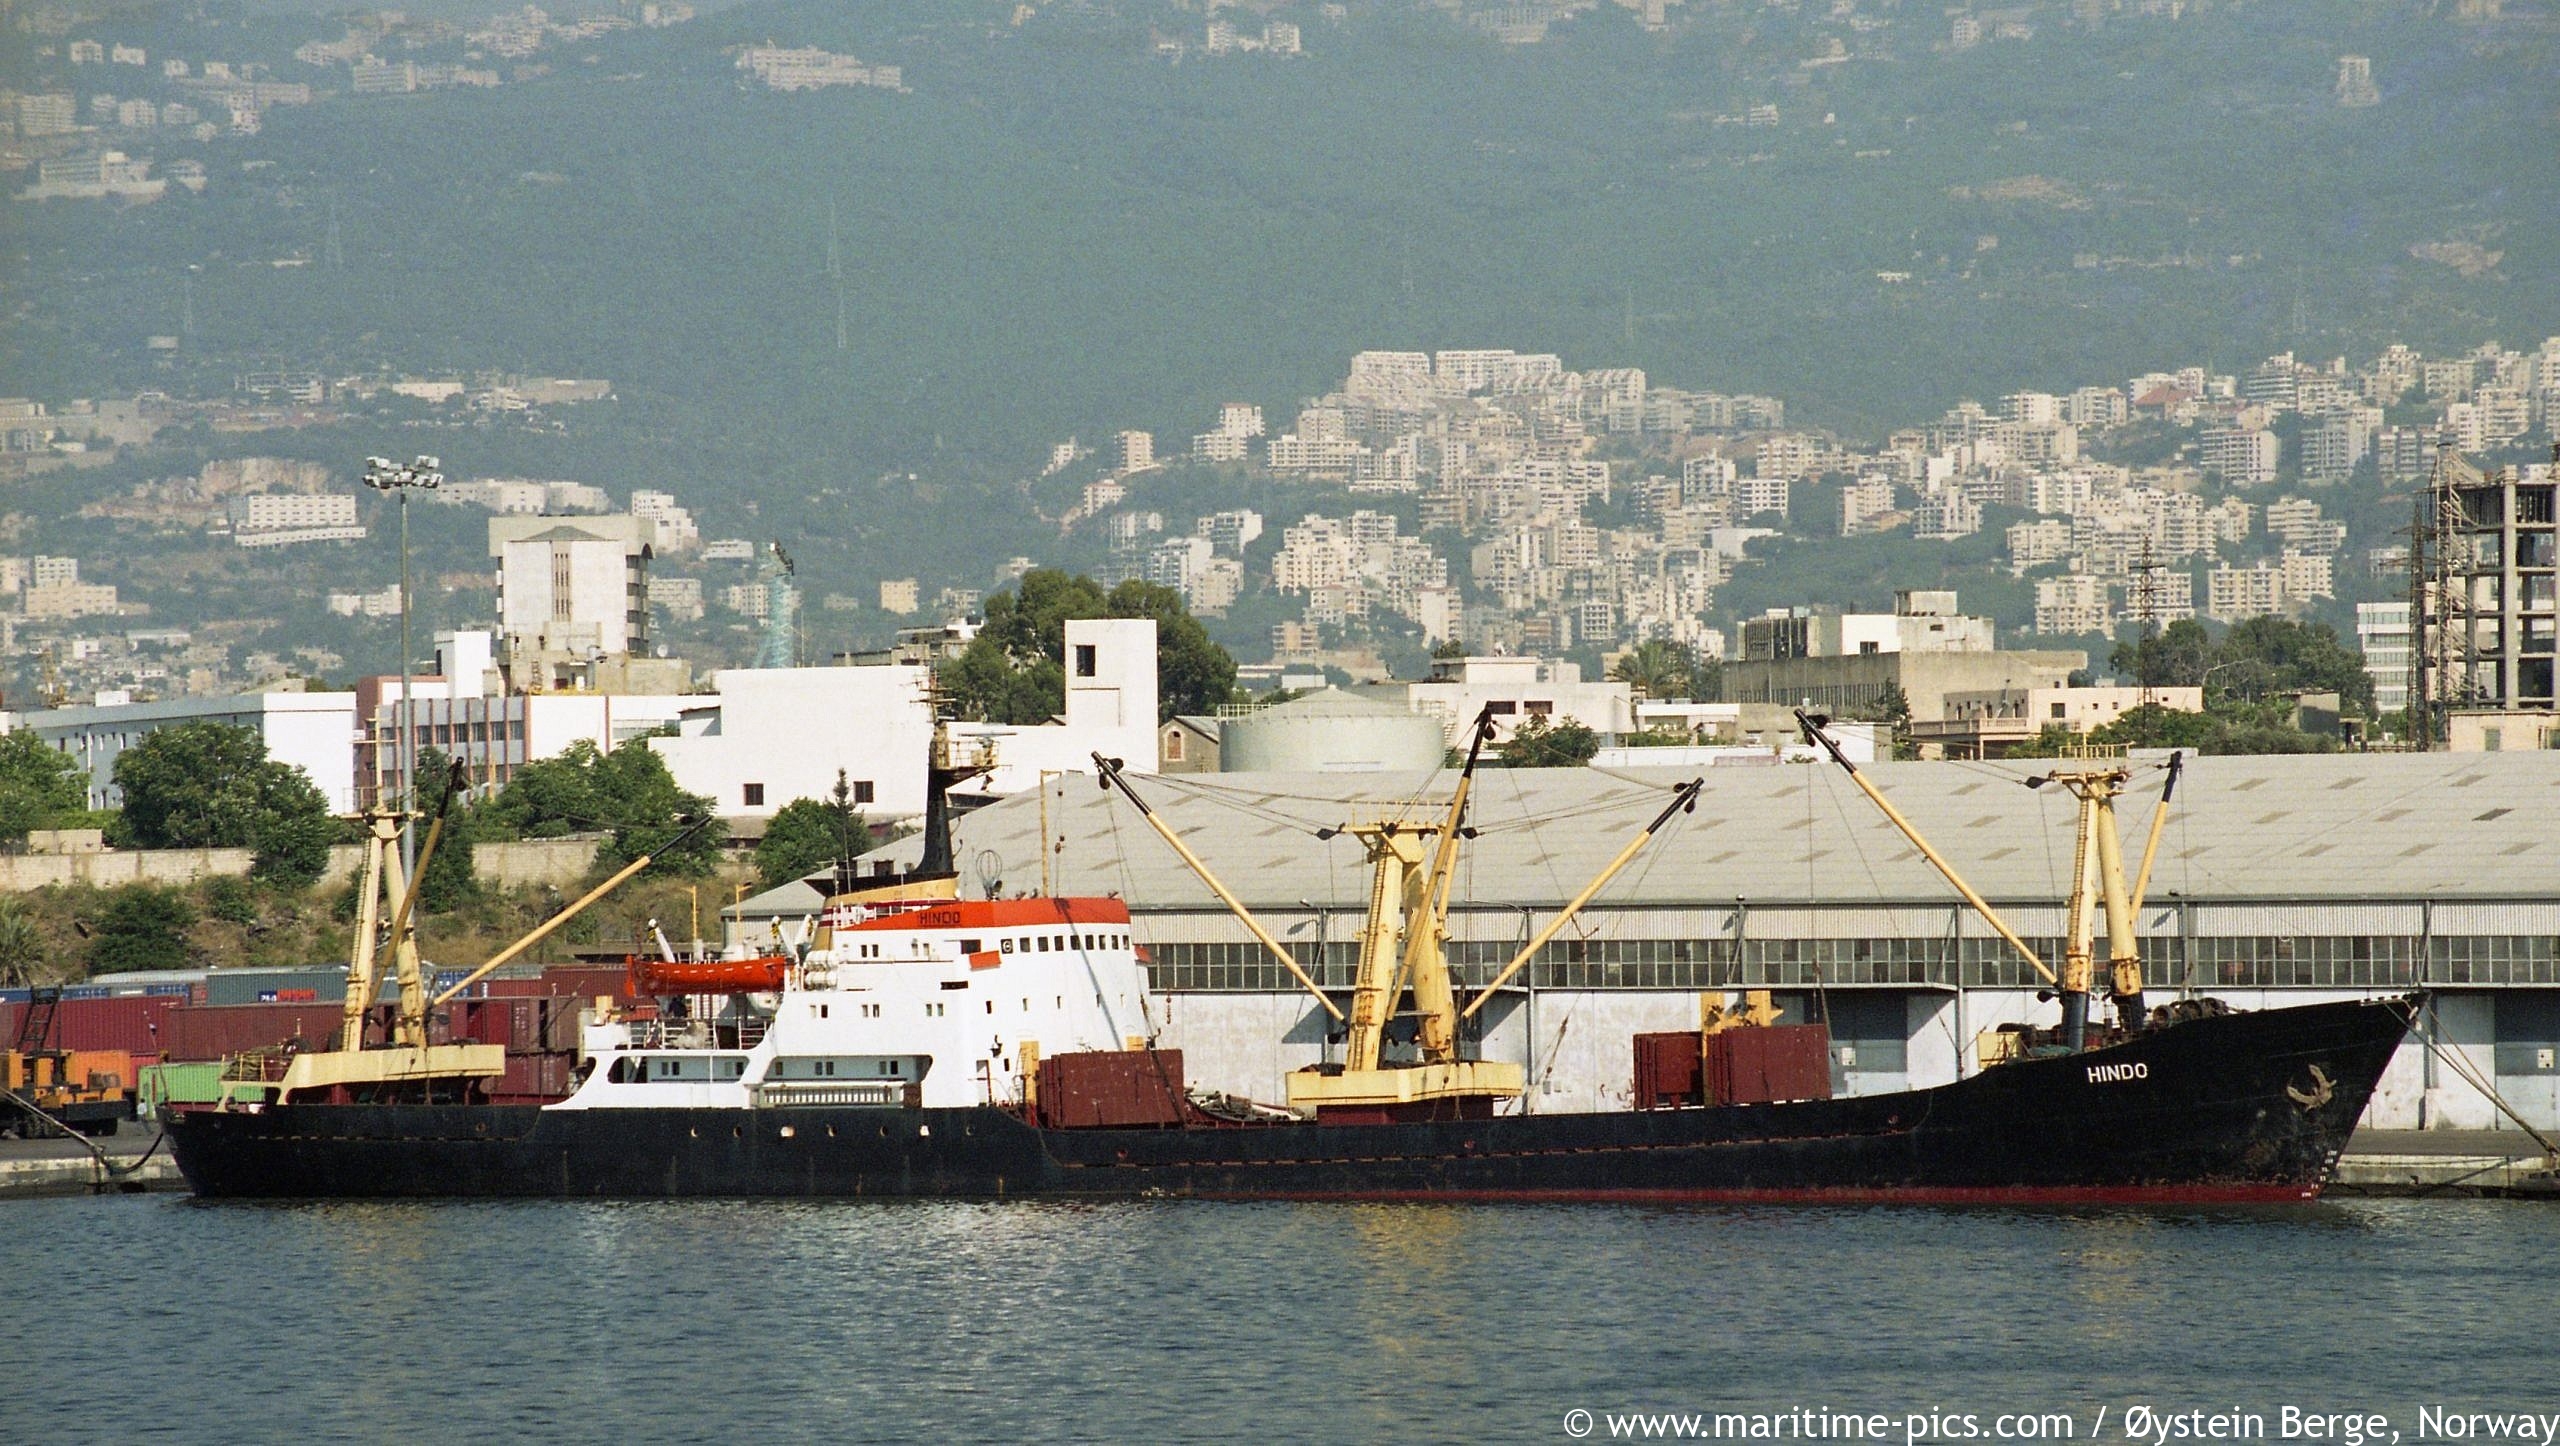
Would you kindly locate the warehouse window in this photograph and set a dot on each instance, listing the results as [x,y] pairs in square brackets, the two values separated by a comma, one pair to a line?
[1085,664]
[751,795]
[862,792]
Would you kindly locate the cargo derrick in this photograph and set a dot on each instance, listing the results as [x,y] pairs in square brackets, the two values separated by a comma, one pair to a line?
[408,1068]
[1403,950]
[2095,775]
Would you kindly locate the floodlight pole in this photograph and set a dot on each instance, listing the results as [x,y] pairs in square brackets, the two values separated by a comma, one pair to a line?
[398,478]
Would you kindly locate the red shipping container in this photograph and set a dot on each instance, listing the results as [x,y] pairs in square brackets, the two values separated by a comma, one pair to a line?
[1669,1071]
[1113,1090]
[564,983]
[131,1023]
[562,1020]
[215,1031]
[1760,1064]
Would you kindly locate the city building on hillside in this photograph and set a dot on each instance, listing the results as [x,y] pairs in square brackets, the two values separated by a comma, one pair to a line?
[315,732]
[676,529]
[2382,634]
[2074,604]
[814,69]
[464,711]
[1994,722]
[680,596]
[2243,456]
[2233,593]
[382,603]
[573,605]
[899,595]
[1135,451]
[281,519]
[42,601]
[1922,621]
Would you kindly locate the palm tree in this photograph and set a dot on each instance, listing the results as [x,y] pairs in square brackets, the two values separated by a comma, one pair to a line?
[21,944]
[1657,668]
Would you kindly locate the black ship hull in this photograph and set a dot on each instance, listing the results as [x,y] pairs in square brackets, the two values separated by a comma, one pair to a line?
[2236,1108]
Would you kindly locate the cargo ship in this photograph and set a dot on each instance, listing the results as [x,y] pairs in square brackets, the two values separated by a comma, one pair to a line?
[923,1044]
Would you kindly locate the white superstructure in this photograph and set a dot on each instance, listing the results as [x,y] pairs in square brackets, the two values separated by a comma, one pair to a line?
[945,1004]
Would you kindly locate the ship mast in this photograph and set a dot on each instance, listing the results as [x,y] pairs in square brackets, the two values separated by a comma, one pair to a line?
[1410,905]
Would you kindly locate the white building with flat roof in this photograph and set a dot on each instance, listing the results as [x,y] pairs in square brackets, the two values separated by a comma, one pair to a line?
[1517,689]
[771,735]
[315,732]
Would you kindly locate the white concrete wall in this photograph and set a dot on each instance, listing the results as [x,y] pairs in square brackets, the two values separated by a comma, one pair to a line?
[791,729]
[553,721]
[1112,712]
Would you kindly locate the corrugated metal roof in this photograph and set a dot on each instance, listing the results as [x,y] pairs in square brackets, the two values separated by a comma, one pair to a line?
[2311,827]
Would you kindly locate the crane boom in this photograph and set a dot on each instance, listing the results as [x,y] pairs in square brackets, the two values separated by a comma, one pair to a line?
[1110,770]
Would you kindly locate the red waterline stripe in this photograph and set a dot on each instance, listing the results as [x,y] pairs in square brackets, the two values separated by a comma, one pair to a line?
[1844,1195]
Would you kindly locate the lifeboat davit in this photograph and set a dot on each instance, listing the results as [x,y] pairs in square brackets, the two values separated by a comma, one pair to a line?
[761,975]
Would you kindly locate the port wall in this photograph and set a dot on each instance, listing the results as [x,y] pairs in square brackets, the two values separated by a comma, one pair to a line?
[559,862]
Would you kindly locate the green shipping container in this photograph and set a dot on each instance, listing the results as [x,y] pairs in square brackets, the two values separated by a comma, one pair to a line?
[186,1084]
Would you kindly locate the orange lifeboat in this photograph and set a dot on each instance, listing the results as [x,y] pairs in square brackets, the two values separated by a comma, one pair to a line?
[761,975]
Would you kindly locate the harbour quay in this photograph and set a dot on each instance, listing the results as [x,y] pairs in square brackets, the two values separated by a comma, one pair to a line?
[2279,880]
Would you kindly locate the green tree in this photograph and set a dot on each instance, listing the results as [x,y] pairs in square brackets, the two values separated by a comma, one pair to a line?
[1541,744]
[808,834]
[22,944]
[449,879]
[2284,656]
[40,787]
[212,785]
[144,926]
[627,793]
[1014,671]
[290,828]
[230,900]
[1657,668]
[190,786]
[2175,657]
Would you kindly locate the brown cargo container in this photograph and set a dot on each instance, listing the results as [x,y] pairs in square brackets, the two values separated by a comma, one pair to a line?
[130,1022]
[561,1019]
[1670,1071]
[534,1079]
[563,983]
[514,1024]
[1111,1090]
[215,1031]
[1761,1064]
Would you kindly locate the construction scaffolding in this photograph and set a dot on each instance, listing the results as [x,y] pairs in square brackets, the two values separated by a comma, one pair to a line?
[2482,586]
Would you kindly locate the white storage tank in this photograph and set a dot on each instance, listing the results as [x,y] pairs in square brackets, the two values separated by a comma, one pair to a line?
[1330,732]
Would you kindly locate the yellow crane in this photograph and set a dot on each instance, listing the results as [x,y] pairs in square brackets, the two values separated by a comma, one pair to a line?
[2095,775]
[409,1067]
[1403,949]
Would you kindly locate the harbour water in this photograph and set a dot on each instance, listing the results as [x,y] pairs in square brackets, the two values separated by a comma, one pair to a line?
[160,1318]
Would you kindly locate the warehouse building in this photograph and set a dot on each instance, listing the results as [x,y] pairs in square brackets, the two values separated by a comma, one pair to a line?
[2280,880]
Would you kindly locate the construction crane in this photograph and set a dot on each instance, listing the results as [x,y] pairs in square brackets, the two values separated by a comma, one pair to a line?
[49,677]
[781,645]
